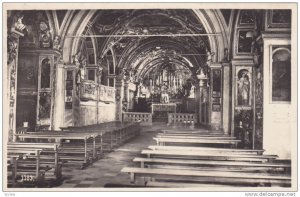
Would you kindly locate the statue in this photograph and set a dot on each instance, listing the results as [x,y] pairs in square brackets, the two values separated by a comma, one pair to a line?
[200,73]
[226,55]
[100,70]
[19,26]
[164,95]
[76,60]
[45,35]
[192,92]
[56,43]
[209,57]
[243,89]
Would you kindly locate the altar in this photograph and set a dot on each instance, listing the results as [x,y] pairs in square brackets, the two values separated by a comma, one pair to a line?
[160,111]
[164,107]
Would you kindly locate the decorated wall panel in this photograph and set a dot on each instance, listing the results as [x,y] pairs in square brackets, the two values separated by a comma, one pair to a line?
[243,127]
[258,97]
[278,20]
[243,119]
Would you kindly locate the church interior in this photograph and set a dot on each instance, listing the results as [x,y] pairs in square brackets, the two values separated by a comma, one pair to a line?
[149,98]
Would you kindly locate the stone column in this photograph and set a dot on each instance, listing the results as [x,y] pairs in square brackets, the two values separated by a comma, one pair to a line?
[203,98]
[226,98]
[59,97]
[12,68]
[119,98]
[126,95]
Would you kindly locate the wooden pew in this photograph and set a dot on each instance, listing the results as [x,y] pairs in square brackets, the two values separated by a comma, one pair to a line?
[86,144]
[37,163]
[213,165]
[168,184]
[72,153]
[227,178]
[195,137]
[208,149]
[192,131]
[186,141]
[208,156]
[109,136]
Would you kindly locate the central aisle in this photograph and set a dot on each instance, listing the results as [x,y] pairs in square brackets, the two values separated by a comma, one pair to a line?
[107,170]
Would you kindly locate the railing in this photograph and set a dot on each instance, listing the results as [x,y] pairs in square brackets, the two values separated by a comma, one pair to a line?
[182,119]
[143,118]
[106,93]
[88,91]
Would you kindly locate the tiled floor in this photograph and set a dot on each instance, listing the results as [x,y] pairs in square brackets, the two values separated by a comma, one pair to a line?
[106,171]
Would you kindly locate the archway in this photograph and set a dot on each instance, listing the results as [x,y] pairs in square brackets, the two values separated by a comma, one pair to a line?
[138,40]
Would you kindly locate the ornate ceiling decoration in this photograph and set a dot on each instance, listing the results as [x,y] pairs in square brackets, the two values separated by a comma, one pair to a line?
[150,40]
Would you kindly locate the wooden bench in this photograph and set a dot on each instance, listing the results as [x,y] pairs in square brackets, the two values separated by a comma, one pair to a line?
[185,141]
[83,145]
[213,165]
[206,155]
[166,184]
[34,162]
[228,178]
[191,131]
[209,149]
[114,134]
[80,153]
[195,137]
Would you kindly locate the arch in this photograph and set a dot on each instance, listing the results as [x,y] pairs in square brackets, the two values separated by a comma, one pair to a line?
[213,24]
[210,20]
[76,28]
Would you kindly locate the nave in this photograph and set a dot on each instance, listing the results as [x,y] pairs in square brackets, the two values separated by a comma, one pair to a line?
[156,158]
[159,97]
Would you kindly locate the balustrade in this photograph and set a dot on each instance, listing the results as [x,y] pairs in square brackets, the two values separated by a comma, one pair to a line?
[88,91]
[143,118]
[182,119]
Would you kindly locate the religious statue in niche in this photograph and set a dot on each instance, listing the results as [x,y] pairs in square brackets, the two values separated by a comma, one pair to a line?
[243,87]
[44,35]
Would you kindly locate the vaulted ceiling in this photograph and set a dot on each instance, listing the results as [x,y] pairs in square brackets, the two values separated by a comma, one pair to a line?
[141,39]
